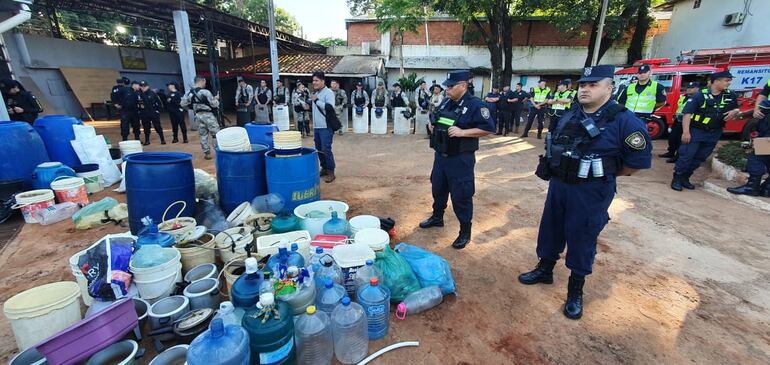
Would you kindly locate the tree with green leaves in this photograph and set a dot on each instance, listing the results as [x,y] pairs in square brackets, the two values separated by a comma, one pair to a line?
[331,41]
[255,11]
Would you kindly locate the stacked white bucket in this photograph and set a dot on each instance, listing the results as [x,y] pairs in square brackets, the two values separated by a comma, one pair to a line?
[158,282]
[401,124]
[287,143]
[233,139]
[281,117]
[379,125]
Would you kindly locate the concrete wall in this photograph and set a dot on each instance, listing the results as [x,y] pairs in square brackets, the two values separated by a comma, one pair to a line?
[702,27]
[47,55]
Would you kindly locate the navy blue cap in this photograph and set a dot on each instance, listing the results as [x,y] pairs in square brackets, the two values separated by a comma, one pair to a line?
[717,75]
[565,82]
[693,85]
[598,72]
[644,69]
[143,83]
[134,82]
[453,77]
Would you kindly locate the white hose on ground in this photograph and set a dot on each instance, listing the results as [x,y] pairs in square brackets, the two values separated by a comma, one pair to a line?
[389,348]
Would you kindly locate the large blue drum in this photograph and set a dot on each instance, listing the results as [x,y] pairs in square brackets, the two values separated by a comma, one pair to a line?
[56,132]
[261,133]
[295,178]
[240,176]
[21,150]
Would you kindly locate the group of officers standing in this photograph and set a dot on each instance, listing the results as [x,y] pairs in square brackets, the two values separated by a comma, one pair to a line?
[140,107]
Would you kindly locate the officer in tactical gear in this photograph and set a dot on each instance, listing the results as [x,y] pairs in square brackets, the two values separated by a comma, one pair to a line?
[281,94]
[595,142]
[300,100]
[560,101]
[263,99]
[175,112]
[703,118]
[643,96]
[398,98]
[539,98]
[758,165]
[21,104]
[340,102]
[675,133]
[149,105]
[380,98]
[117,96]
[244,102]
[455,129]
[422,97]
[360,99]
[205,105]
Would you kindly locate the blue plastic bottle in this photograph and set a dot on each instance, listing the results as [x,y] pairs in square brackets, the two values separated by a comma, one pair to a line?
[315,260]
[220,344]
[277,260]
[245,291]
[295,258]
[150,235]
[336,226]
[329,296]
[375,300]
[327,269]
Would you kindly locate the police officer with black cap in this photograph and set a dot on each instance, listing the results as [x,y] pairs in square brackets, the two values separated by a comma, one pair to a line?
[595,142]
[455,129]
[118,93]
[560,101]
[149,112]
[644,95]
[703,118]
[675,133]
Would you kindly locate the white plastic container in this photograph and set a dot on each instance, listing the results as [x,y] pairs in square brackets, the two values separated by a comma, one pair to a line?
[375,238]
[360,222]
[130,147]
[316,225]
[160,285]
[379,125]
[268,245]
[224,241]
[234,139]
[281,117]
[70,189]
[239,215]
[41,312]
[401,125]
[350,258]
[172,356]
[93,180]
[31,201]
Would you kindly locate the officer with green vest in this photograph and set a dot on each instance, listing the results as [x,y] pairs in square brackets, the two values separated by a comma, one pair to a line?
[703,119]
[539,104]
[675,132]
[643,96]
[757,165]
[560,101]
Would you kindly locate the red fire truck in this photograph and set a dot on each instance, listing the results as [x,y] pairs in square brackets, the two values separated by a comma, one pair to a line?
[750,67]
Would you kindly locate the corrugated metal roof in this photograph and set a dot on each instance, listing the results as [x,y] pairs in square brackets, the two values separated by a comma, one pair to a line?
[358,64]
[305,64]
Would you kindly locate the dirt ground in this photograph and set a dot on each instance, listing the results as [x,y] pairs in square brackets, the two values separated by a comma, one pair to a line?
[680,277]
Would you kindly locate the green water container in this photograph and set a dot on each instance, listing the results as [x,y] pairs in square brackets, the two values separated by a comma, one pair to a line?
[285,222]
[271,342]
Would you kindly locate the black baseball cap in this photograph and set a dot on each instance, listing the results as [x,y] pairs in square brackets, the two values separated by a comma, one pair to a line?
[644,69]
[598,72]
[692,85]
[359,83]
[721,74]
[396,84]
[453,77]
[565,82]
[143,83]
[135,82]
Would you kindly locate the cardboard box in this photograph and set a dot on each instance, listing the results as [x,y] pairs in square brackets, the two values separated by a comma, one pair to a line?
[762,146]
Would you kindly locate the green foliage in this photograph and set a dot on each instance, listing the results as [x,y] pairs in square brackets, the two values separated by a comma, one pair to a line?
[256,11]
[331,41]
[399,15]
[733,154]
[410,82]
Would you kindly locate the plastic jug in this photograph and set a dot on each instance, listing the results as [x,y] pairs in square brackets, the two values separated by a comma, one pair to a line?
[375,299]
[420,301]
[296,258]
[315,259]
[267,285]
[268,203]
[329,296]
[245,290]
[336,226]
[270,325]
[328,269]
[315,345]
[279,259]
[150,235]
[350,333]
[229,314]
[285,222]
[47,172]
[220,344]
[366,273]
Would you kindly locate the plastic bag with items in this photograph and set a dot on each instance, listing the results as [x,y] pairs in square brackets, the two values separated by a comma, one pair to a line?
[96,214]
[105,266]
[397,275]
[430,269]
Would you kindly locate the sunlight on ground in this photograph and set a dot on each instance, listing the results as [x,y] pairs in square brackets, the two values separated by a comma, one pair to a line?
[502,148]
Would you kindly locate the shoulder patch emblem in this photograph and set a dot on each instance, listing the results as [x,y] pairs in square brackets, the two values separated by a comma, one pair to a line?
[636,141]
[485,113]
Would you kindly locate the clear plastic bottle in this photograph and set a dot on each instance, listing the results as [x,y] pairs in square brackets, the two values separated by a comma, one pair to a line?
[314,338]
[267,285]
[329,296]
[419,301]
[268,203]
[349,329]
[55,213]
[376,302]
[315,259]
[366,273]
[220,344]
[279,259]
[227,312]
[327,270]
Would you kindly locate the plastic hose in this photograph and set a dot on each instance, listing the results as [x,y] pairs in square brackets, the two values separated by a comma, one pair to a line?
[386,349]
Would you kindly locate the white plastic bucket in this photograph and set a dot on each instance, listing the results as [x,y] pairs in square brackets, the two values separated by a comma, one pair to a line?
[40,312]
[172,356]
[234,139]
[80,279]
[201,272]
[239,215]
[350,258]
[375,238]
[93,181]
[360,222]
[159,285]
[315,226]
[129,147]
[32,201]
[203,293]
[224,241]
[70,189]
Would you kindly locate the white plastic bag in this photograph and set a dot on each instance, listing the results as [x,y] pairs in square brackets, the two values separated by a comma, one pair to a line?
[94,150]
[55,213]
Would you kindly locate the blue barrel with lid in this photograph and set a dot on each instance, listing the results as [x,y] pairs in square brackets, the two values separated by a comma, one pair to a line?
[261,133]
[240,176]
[21,150]
[294,178]
[155,180]
[56,132]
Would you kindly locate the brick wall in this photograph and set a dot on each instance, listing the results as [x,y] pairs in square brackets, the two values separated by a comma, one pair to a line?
[362,32]
[443,33]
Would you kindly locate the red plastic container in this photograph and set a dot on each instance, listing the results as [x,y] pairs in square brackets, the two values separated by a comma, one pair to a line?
[328,241]
[87,337]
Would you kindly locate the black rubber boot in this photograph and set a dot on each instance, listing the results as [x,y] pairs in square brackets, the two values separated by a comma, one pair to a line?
[676,182]
[666,155]
[686,181]
[751,188]
[146,140]
[435,220]
[543,273]
[764,189]
[464,238]
[573,307]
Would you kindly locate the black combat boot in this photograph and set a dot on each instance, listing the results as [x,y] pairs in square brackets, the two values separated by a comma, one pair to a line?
[676,182]
[668,154]
[543,273]
[146,140]
[435,220]
[751,188]
[573,307]
[464,237]
[764,189]
[686,181]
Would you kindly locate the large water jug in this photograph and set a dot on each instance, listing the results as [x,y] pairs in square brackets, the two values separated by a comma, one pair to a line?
[296,258]
[268,203]
[279,259]
[420,301]
[229,314]
[329,296]
[220,344]
[284,222]
[336,226]
[315,259]
[245,291]
[366,273]
[350,333]
[328,269]
[314,338]
[268,284]
[270,326]
[376,302]
[150,235]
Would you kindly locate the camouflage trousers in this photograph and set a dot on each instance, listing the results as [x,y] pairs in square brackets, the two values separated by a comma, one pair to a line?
[207,124]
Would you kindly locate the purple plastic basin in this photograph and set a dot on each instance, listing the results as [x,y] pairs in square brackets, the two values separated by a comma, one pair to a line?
[87,337]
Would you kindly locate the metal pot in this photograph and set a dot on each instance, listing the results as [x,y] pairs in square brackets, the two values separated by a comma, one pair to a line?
[188,327]
[176,355]
[120,353]
[142,309]
[167,311]
[202,271]
[203,293]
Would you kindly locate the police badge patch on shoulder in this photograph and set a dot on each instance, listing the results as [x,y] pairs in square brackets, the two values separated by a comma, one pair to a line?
[636,141]
[484,113]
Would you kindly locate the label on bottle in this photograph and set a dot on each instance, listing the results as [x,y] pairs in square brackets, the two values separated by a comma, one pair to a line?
[376,310]
[274,357]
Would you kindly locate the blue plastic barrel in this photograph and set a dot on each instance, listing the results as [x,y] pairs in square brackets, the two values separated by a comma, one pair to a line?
[155,180]
[261,133]
[56,132]
[240,176]
[21,150]
[295,178]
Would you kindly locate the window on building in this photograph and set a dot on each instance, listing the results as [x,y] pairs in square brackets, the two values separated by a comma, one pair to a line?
[696,4]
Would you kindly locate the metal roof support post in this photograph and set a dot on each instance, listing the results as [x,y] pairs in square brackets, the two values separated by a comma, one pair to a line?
[273,44]
[184,47]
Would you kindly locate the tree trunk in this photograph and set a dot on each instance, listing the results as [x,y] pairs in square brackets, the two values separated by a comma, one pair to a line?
[608,39]
[507,50]
[492,37]
[636,46]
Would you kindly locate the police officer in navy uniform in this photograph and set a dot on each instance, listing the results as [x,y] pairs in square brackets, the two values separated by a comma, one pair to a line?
[703,119]
[757,165]
[455,128]
[675,132]
[596,141]
[149,112]
[492,98]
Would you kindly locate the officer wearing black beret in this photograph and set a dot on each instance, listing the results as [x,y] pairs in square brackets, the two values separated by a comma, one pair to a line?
[595,142]
[455,128]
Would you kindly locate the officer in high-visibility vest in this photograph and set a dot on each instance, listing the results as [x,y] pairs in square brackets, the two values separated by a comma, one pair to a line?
[560,101]
[643,96]
[539,104]
[703,119]
[757,165]
[675,132]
